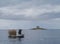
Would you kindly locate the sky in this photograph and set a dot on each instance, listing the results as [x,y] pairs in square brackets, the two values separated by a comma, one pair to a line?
[27,14]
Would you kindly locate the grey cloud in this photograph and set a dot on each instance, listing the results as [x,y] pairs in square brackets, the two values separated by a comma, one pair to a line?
[15,17]
[4,3]
[12,17]
[48,16]
[54,2]
[33,2]
[45,16]
[43,2]
[46,8]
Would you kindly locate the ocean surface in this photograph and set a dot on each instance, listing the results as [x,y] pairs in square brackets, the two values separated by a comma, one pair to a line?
[50,36]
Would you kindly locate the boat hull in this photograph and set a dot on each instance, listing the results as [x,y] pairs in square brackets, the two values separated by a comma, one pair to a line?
[17,36]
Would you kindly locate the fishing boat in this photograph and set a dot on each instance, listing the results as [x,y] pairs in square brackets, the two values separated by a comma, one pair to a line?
[13,34]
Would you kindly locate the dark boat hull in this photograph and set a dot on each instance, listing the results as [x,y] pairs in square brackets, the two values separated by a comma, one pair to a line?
[17,36]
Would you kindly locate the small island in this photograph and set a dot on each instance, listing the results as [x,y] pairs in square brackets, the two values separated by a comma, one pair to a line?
[38,28]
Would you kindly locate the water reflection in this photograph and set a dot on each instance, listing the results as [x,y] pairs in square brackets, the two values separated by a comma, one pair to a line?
[15,41]
[19,39]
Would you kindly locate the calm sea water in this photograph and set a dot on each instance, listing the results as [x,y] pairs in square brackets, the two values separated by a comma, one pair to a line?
[51,36]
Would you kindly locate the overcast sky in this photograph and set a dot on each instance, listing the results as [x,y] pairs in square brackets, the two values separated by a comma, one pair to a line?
[29,13]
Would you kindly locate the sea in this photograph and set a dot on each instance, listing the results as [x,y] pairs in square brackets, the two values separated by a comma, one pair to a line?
[49,36]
